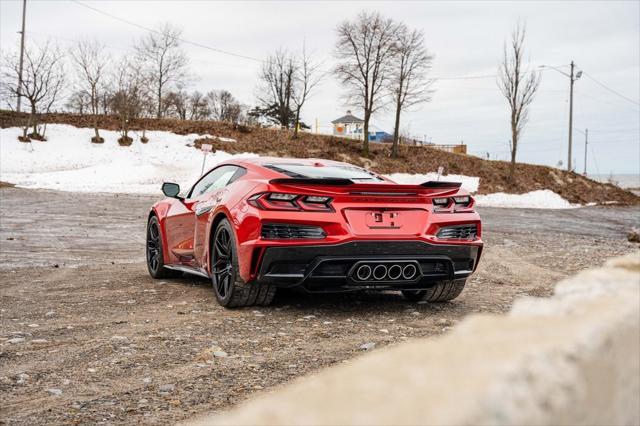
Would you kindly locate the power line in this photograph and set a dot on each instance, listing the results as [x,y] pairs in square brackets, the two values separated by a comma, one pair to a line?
[251,58]
[611,90]
[193,43]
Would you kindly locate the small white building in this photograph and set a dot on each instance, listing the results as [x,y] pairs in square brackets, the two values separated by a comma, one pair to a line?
[348,126]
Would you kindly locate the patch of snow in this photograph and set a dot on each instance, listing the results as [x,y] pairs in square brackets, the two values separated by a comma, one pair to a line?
[542,199]
[470,183]
[223,139]
[68,161]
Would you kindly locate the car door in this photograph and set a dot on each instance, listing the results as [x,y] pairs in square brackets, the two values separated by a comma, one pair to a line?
[207,203]
[181,218]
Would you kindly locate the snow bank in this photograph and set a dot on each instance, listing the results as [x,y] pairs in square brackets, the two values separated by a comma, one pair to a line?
[69,161]
[470,183]
[543,199]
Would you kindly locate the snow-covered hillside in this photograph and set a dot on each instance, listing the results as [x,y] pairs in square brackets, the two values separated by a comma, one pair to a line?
[69,162]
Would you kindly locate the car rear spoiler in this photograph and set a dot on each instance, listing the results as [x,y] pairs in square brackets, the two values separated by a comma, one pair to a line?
[343,182]
[383,188]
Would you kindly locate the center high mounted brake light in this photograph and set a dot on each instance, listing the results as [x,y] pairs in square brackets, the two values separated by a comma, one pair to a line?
[292,202]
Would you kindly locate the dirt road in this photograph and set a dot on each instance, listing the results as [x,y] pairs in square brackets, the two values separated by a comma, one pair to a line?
[87,337]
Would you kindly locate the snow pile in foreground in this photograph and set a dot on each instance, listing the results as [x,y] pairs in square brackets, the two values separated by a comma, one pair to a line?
[542,199]
[470,183]
[68,161]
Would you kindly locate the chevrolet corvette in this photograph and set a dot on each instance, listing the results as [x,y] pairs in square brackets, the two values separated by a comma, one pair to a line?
[254,225]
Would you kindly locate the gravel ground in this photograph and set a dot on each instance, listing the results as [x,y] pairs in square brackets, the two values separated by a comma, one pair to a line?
[88,337]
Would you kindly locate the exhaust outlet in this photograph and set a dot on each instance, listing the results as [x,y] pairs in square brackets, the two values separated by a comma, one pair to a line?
[409,271]
[379,272]
[364,272]
[395,271]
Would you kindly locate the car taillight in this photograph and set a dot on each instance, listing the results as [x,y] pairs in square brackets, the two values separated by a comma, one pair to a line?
[458,203]
[293,202]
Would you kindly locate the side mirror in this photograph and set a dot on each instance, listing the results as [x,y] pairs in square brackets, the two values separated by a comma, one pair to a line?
[171,189]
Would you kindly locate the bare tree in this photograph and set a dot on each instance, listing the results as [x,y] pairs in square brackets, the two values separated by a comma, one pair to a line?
[224,106]
[175,104]
[408,83]
[306,78]
[275,93]
[198,106]
[519,85]
[43,78]
[364,51]
[128,101]
[78,102]
[90,61]
[163,59]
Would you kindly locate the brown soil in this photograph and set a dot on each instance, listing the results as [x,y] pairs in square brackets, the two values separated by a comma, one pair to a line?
[125,141]
[37,137]
[96,139]
[493,174]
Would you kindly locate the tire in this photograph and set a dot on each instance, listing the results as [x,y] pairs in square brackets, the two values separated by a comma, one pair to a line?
[154,252]
[231,291]
[442,291]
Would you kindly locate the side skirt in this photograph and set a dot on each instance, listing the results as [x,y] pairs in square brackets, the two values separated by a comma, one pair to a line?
[189,270]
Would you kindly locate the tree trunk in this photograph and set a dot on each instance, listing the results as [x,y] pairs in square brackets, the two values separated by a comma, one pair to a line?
[95,109]
[159,115]
[365,140]
[514,148]
[296,124]
[34,120]
[396,132]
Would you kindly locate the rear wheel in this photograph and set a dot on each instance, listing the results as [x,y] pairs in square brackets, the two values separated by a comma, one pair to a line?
[442,291]
[155,256]
[231,291]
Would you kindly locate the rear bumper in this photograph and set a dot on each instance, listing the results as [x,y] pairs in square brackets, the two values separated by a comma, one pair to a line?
[331,267]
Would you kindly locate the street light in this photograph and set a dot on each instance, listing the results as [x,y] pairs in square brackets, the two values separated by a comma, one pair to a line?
[572,79]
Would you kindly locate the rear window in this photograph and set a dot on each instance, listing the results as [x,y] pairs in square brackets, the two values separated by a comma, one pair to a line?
[318,172]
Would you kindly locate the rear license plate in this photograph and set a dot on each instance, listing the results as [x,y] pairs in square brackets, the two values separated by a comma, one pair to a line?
[387,222]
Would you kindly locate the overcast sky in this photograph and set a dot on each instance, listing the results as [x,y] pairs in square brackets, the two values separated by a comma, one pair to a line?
[602,37]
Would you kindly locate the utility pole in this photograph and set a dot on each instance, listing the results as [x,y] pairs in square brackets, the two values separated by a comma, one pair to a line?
[24,12]
[570,115]
[586,142]
[572,79]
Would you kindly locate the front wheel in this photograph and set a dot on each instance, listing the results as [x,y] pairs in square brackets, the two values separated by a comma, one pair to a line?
[155,256]
[231,291]
[442,291]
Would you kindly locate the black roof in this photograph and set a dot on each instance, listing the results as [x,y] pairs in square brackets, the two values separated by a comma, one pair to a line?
[349,118]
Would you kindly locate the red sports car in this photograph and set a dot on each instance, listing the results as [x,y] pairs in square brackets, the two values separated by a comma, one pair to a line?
[255,225]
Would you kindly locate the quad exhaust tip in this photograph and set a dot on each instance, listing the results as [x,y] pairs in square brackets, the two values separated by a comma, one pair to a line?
[384,272]
[409,271]
[364,272]
[379,272]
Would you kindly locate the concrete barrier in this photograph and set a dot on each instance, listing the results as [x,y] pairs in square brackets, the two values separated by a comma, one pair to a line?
[570,359]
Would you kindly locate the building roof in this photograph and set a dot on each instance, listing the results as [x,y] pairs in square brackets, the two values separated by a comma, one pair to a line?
[349,118]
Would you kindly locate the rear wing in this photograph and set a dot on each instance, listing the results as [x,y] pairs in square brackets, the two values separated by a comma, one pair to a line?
[343,182]
[338,185]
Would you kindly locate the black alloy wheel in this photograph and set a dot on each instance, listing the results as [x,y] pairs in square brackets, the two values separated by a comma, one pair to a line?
[231,291]
[222,268]
[155,258]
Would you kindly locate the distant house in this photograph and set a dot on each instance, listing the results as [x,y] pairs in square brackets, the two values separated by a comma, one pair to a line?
[348,126]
